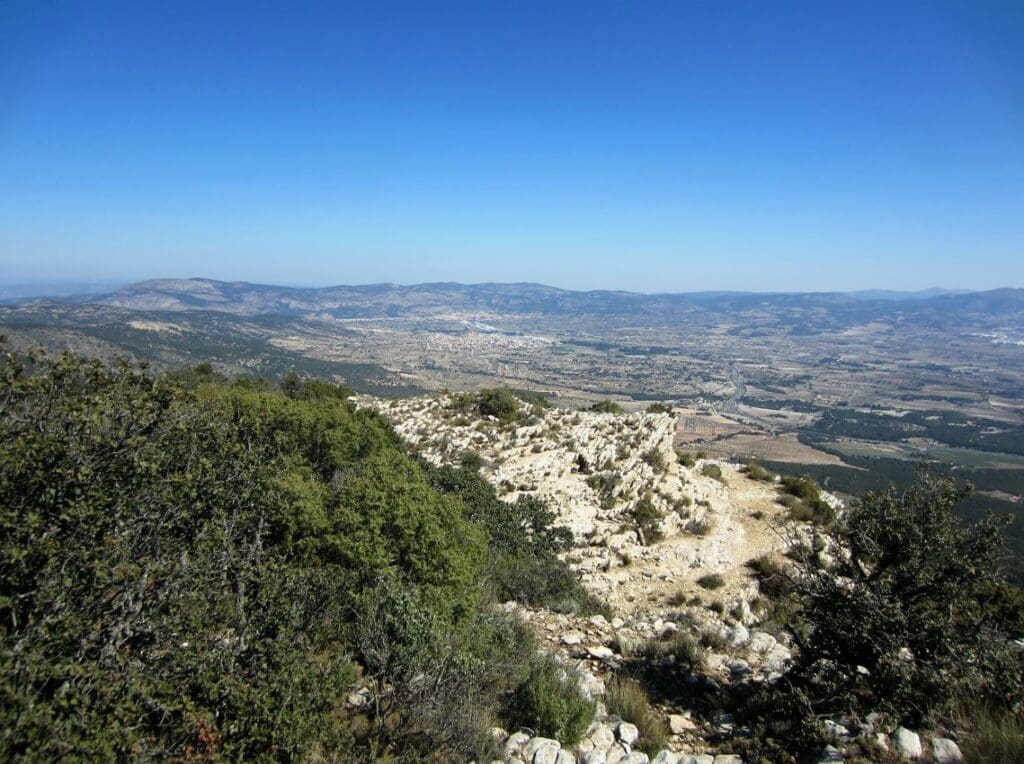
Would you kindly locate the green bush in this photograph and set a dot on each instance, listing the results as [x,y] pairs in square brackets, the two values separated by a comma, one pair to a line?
[194,569]
[523,562]
[679,646]
[713,471]
[659,408]
[471,460]
[801,487]
[605,483]
[685,458]
[607,407]
[655,459]
[711,581]
[551,703]
[755,471]
[648,520]
[497,402]
[901,624]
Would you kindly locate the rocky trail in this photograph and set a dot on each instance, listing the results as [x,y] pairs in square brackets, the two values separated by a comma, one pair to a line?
[686,575]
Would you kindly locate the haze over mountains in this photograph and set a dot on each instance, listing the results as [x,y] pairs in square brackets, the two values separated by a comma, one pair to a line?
[446,298]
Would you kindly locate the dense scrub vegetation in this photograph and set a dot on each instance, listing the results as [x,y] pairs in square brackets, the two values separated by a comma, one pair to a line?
[200,569]
[914,620]
[949,427]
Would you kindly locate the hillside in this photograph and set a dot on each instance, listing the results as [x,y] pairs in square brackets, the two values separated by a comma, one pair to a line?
[195,567]
[448,299]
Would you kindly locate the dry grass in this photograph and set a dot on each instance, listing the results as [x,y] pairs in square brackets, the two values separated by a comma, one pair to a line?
[992,736]
[627,699]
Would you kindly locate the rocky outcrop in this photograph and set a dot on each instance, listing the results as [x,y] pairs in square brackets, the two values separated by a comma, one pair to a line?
[594,470]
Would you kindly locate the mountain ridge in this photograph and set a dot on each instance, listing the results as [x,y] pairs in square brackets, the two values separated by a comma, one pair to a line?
[438,298]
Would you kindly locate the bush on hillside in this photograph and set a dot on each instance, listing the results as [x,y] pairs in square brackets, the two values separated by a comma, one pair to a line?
[498,402]
[551,702]
[195,570]
[648,520]
[901,624]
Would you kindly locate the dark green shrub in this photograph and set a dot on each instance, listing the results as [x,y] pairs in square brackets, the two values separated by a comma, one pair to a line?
[648,520]
[713,471]
[607,407]
[497,402]
[801,487]
[605,483]
[679,646]
[551,703]
[659,408]
[685,458]
[907,605]
[471,460]
[201,571]
[711,581]
[755,471]
[655,459]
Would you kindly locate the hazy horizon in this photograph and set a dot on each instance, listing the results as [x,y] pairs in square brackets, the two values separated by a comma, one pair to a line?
[15,289]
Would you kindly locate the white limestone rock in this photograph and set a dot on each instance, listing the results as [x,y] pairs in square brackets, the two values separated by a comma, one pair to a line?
[908,743]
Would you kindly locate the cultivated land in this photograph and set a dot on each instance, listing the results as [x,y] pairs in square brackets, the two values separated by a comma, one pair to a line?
[831,383]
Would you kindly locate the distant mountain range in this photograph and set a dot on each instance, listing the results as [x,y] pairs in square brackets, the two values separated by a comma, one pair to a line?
[440,299]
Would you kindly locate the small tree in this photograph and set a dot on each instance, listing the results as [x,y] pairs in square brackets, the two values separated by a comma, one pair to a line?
[901,623]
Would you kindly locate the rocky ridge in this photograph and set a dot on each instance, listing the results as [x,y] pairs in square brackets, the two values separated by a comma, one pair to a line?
[594,469]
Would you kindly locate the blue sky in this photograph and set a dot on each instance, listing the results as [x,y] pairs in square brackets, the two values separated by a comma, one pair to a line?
[669,146]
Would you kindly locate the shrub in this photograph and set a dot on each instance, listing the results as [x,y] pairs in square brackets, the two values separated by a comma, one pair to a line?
[605,483]
[773,581]
[627,699]
[711,581]
[755,471]
[713,640]
[471,460]
[991,734]
[815,511]
[607,407]
[202,570]
[685,458]
[659,408]
[906,604]
[713,471]
[648,520]
[679,646]
[497,402]
[655,459]
[551,703]
[801,487]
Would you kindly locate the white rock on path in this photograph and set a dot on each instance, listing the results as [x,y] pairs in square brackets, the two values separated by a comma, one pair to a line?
[945,751]
[515,743]
[542,750]
[665,757]
[627,733]
[565,757]
[679,724]
[908,743]
[602,738]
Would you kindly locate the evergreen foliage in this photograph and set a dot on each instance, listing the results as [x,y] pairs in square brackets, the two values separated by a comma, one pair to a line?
[193,568]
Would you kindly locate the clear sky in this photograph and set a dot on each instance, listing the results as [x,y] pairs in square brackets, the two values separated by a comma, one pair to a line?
[652,146]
